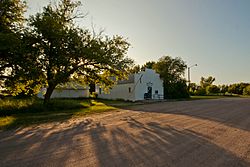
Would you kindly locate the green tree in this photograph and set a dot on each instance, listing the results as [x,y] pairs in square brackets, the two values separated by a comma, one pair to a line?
[200,91]
[62,52]
[26,76]
[246,90]
[149,65]
[11,14]
[233,88]
[135,69]
[206,81]
[193,87]
[172,72]
[237,88]
[11,21]
[223,89]
[212,89]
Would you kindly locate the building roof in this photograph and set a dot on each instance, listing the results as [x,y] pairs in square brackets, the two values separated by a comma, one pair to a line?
[131,79]
[71,86]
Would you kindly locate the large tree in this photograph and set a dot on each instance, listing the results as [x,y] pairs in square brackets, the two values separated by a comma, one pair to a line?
[172,72]
[61,52]
[149,65]
[205,82]
[11,21]
[212,89]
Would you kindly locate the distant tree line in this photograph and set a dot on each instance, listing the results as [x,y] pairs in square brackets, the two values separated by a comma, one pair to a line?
[207,87]
[172,72]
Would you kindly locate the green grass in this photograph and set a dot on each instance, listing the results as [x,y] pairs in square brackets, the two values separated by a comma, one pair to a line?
[211,97]
[24,112]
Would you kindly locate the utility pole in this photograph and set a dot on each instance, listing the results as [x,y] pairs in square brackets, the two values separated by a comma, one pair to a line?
[189,80]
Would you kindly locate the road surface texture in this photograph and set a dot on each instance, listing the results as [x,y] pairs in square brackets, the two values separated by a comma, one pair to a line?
[202,133]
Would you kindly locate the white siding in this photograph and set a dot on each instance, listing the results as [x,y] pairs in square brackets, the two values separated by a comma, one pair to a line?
[148,77]
[120,91]
[66,93]
[70,93]
[138,88]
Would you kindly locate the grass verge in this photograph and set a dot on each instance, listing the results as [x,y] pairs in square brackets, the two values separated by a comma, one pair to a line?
[211,97]
[24,112]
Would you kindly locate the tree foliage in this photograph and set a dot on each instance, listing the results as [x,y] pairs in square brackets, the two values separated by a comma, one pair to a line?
[138,68]
[192,88]
[246,90]
[58,51]
[206,81]
[172,72]
[237,88]
[11,21]
[212,89]
[135,69]
[223,89]
[11,14]
[149,65]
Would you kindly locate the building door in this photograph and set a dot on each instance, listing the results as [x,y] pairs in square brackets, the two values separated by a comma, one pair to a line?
[149,92]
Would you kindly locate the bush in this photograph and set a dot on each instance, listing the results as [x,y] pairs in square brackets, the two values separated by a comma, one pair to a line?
[10,106]
[200,92]
[246,90]
[212,89]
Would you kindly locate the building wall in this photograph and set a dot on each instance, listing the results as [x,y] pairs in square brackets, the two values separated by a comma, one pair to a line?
[137,89]
[70,93]
[120,91]
[66,93]
[148,78]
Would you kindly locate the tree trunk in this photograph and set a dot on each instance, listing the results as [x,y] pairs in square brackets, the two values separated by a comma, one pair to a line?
[48,94]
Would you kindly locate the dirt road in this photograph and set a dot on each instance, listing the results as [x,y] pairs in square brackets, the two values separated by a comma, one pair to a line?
[187,133]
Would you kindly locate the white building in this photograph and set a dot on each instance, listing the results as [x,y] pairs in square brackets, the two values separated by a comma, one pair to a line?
[143,85]
[67,91]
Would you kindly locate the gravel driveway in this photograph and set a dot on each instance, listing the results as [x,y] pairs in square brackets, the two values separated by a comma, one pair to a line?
[186,133]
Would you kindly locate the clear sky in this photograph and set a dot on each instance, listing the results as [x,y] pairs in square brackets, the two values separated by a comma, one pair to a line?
[215,34]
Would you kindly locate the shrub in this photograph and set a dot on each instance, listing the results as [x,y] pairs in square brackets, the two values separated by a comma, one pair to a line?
[212,89]
[246,90]
[200,92]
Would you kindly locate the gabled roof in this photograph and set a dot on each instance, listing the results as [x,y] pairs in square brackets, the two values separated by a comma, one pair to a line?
[131,79]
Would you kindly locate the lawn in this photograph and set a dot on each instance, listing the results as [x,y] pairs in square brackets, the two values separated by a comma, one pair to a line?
[24,112]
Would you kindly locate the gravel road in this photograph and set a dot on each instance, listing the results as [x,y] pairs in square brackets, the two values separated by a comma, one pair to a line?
[201,133]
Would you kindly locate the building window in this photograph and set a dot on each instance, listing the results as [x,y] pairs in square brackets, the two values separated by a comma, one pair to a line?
[129,90]
[100,90]
[156,91]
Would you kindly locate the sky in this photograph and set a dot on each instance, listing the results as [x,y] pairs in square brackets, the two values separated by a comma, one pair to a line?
[215,34]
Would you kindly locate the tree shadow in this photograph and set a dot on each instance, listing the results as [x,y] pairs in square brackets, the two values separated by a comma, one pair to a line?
[233,112]
[92,143]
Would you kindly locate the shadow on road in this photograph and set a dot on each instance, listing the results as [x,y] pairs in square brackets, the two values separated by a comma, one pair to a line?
[90,143]
[233,112]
